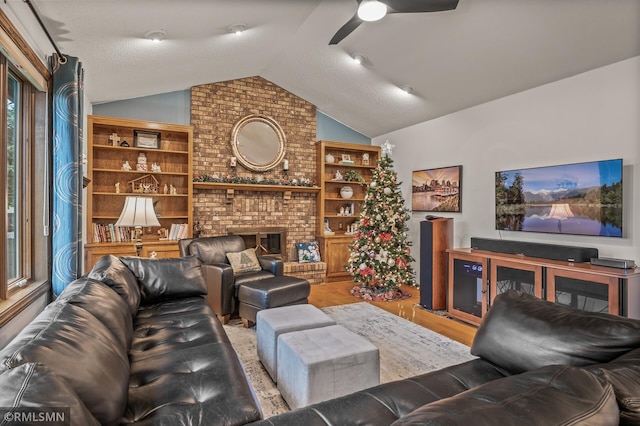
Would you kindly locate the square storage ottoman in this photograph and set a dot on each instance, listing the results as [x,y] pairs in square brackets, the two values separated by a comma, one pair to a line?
[271,323]
[323,363]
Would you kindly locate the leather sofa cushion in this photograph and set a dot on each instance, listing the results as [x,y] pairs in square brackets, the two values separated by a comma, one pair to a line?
[554,395]
[623,374]
[174,325]
[104,304]
[212,250]
[162,279]
[112,272]
[80,349]
[521,333]
[205,384]
[34,385]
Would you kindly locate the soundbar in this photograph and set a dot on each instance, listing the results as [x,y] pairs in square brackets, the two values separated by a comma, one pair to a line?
[613,263]
[541,250]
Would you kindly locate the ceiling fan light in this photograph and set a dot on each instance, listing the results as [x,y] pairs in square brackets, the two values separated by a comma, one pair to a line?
[371,10]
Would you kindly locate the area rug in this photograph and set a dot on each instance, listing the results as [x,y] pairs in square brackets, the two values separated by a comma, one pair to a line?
[406,349]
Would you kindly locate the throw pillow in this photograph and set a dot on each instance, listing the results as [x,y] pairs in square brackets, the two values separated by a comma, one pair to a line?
[244,261]
[308,252]
[167,278]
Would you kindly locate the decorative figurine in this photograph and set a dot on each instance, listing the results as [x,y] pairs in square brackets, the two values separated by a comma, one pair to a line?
[155,167]
[365,159]
[166,189]
[126,166]
[117,187]
[142,162]
[114,138]
[172,190]
[338,176]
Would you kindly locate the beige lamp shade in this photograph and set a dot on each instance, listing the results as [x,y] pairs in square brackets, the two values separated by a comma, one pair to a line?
[138,211]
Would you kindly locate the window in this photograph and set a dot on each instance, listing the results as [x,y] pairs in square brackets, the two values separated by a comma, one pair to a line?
[25,180]
[16,132]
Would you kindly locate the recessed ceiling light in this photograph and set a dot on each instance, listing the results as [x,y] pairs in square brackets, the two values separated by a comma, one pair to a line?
[237,28]
[407,89]
[359,58]
[371,10]
[155,35]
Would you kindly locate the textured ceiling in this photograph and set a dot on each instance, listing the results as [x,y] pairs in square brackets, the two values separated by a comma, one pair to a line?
[483,50]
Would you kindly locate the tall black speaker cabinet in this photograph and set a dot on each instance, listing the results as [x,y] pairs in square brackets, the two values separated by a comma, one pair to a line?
[436,237]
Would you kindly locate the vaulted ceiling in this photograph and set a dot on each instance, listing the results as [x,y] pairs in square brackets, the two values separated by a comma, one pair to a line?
[481,51]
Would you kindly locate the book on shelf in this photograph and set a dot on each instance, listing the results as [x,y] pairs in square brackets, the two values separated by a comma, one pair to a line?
[109,233]
[178,231]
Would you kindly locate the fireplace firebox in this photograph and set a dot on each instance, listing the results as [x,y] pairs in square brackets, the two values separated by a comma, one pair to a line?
[268,240]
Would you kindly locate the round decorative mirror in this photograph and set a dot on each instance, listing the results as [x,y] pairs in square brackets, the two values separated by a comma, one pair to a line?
[258,142]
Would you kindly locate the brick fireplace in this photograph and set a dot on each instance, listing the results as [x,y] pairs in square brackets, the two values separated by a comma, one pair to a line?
[215,108]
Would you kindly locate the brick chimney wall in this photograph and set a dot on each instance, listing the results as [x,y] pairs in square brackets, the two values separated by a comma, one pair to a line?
[215,108]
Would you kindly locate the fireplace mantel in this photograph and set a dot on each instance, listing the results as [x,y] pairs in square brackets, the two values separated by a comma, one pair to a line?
[232,187]
[254,187]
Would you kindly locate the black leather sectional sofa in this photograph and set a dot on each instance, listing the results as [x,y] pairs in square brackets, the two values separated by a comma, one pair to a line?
[539,364]
[134,342]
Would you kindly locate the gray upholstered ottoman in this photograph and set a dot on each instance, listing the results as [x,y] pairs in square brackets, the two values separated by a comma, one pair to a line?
[323,363]
[270,293]
[271,323]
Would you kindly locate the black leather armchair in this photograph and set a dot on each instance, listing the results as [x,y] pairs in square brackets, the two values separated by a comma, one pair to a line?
[222,283]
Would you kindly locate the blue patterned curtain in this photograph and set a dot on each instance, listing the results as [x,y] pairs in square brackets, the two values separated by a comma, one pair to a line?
[67,170]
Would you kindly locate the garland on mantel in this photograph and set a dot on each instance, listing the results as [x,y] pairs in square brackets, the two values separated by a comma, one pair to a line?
[200,177]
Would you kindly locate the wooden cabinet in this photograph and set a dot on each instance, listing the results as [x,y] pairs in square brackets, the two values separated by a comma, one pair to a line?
[168,180]
[162,249]
[337,210]
[509,275]
[468,287]
[584,290]
[580,285]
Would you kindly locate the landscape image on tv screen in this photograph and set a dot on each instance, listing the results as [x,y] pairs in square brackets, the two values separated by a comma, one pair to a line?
[581,199]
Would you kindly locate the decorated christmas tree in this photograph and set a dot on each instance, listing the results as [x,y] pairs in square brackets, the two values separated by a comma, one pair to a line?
[380,259]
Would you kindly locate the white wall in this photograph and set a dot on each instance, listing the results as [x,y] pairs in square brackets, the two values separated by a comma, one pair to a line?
[592,116]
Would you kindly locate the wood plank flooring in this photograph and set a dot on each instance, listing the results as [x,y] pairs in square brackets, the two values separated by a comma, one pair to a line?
[337,293]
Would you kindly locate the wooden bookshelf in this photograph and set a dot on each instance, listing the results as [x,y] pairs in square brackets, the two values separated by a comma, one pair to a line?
[171,185]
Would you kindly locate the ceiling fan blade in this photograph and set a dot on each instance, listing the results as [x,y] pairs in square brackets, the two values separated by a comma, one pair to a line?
[418,6]
[346,29]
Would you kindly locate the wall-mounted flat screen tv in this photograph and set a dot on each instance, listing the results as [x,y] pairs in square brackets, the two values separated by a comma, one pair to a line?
[579,199]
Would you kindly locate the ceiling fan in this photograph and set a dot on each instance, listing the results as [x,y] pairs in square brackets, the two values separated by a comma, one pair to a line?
[373,10]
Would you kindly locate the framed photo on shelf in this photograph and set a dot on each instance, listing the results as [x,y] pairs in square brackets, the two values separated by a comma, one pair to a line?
[146,139]
[437,190]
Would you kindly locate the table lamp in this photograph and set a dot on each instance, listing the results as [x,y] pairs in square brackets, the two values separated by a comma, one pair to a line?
[138,212]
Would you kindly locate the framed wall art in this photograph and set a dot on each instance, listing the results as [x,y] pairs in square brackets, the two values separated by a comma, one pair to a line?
[146,139]
[437,190]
